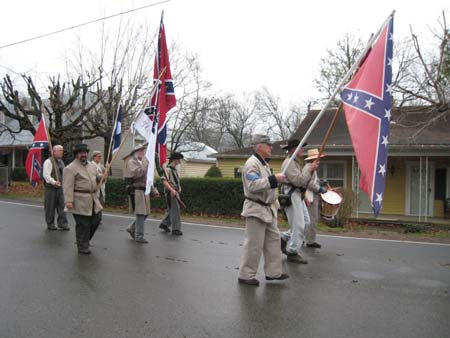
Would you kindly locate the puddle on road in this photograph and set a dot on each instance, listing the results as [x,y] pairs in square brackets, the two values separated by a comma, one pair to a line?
[366,275]
[429,283]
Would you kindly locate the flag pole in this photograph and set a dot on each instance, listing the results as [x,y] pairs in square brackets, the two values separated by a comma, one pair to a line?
[114,129]
[330,128]
[337,90]
[49,142]
[108,165]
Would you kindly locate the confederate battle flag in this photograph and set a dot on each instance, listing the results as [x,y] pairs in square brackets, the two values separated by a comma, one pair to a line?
[367,100]
[162,103]
[33,162]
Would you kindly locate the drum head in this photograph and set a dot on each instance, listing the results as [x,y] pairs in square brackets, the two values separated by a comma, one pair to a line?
[331,197]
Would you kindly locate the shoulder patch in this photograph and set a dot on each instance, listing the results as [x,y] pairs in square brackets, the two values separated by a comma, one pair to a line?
[252,176]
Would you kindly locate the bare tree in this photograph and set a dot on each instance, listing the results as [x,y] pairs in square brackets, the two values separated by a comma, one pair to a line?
[123,61]
[66,107]
[336,64]
[425,76]
[281,122]
[236,119]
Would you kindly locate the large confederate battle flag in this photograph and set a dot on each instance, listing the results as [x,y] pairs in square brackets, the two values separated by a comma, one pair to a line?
[367,100]
[162,103]
[33,162]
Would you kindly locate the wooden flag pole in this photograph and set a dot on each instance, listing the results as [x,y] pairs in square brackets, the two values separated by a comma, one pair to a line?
[112,134]
[50,144]
[330,128]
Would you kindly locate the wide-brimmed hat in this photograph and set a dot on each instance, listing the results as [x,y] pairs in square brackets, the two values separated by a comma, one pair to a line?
[176,156]
[261,138]
[292,143]
[313,154]
[80,147]
[138,147]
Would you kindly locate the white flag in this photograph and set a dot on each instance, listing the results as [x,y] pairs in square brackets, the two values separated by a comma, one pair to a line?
[148,129]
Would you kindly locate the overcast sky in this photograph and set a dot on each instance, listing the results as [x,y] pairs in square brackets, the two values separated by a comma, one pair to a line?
[242,44]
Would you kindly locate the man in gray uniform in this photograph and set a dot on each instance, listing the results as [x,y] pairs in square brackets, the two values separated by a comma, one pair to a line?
[172,188]
[260,211]
[54,198]
[80,194]
[297,180]
[136,171]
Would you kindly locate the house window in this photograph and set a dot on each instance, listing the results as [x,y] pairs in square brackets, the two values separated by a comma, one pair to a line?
[334,173]
[238,172]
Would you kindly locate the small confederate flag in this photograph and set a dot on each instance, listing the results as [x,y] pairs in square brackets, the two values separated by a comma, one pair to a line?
[367,100]
[33,162]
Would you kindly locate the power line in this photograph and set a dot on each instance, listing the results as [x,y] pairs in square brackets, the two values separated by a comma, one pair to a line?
[84,24]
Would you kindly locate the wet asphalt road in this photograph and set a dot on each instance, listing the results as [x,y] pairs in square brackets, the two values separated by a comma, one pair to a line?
[187,286]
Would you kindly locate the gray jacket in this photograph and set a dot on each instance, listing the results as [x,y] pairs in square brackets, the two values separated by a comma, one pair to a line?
[259,190]
[80,184]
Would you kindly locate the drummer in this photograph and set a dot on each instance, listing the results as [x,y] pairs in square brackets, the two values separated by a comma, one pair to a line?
[312,199]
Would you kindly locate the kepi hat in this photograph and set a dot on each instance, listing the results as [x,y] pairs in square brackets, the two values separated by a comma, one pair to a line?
[260,138]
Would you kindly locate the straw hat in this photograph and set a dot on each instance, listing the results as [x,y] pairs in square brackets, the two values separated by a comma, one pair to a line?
[313,154]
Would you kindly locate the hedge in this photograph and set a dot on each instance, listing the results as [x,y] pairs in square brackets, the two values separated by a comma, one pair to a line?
[214,171]
[19,174]
[208,196]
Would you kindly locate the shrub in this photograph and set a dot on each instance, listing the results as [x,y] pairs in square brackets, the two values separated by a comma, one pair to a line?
[346,208]
[416,228]
[214,171]
[209,196]
[19,174]
[115,192]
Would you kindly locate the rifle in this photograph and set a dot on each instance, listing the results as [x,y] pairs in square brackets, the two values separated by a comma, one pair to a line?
[162,173]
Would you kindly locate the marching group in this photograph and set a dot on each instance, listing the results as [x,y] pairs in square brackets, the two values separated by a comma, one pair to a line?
[79,189]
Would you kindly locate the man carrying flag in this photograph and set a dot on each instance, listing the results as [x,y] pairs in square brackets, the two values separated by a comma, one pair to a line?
[52,174]
[152,126]
[54,196]
[367,102]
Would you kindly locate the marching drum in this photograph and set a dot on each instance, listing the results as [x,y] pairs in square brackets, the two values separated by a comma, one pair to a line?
[331,202]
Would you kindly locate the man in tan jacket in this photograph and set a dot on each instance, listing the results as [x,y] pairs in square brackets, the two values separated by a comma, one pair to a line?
[136,171]
[80,194]
[260,212]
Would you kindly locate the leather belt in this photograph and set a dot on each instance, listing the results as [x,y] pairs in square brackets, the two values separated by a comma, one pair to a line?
[257,201]
[84,191]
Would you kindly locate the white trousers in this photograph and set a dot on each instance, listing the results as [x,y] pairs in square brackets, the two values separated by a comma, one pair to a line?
[298,219]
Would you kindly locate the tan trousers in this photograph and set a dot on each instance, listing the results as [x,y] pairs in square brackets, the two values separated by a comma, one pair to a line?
[260,238]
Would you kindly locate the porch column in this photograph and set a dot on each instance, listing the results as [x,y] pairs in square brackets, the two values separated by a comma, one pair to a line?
[13,164]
